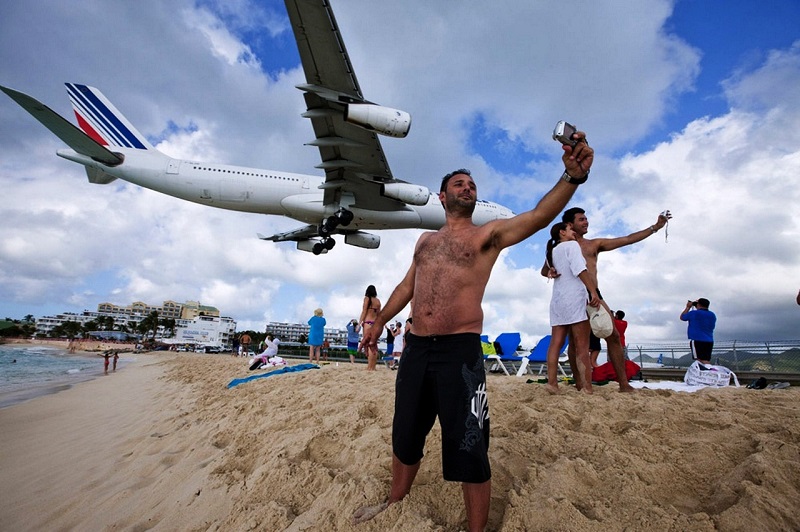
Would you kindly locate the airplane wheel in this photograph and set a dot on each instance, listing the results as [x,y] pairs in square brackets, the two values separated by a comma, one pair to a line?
[329,243]
[345,217]
[318,247]
[324,230]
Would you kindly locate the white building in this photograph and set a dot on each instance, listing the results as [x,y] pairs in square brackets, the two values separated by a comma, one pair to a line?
[204,330]
[291,332]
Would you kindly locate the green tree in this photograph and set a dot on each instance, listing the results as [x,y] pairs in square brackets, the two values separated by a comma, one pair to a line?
[169,327]
[70,329]
[149,325]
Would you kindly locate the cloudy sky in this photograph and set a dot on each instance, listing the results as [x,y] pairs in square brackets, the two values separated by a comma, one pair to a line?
[690,105]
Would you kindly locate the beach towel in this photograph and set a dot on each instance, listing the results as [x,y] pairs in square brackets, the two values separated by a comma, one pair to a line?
[287,369]
[605,372]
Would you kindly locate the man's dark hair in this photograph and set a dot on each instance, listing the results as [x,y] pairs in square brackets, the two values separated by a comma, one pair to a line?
[619,314]
[447,177]
[569,215]
[703,302]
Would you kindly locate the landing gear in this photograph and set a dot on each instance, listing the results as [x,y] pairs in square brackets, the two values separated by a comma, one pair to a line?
[326,244]
[328,226]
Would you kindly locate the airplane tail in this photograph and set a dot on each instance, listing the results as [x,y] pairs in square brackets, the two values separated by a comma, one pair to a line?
[101,121]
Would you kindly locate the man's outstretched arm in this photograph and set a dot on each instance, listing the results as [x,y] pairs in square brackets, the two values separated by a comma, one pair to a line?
[609,244]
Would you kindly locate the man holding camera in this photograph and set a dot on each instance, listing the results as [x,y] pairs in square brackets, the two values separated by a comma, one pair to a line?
[701,328]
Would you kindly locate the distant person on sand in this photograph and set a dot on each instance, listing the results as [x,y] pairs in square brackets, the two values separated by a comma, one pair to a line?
[369,312]
[390,334]
[353,336]
[326,346]
[106,357]
[568,305]
[235,346]
[701,328]
[399,342]
[114,364]
[441,372]
[316,335]
[245,341]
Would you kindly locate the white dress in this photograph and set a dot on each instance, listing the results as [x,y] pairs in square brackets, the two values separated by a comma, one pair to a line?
[568,303]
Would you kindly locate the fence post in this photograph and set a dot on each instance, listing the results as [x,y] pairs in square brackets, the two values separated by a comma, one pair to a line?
[735,357]
[769,357]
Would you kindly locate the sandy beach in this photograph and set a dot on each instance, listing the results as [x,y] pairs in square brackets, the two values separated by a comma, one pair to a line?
[164,444]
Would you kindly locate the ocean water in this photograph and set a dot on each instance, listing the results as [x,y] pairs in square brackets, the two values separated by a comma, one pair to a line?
[41,370]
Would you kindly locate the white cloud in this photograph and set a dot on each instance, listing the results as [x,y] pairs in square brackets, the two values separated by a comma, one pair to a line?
[186,78]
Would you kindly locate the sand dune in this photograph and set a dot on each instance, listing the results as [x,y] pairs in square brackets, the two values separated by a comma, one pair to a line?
[164,444]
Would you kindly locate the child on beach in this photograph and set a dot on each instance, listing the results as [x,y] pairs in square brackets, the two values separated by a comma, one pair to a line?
[568,304]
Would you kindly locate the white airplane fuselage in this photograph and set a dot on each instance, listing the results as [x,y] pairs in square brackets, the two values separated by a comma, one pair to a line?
[254,190]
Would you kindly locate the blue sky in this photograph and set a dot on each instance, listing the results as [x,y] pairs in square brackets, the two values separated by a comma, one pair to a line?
[691,106]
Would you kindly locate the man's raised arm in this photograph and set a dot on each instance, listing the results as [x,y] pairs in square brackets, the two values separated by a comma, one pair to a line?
[609,244]
[577,162]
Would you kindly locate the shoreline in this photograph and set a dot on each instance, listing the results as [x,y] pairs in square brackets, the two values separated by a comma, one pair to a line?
[26,391]
[81,347]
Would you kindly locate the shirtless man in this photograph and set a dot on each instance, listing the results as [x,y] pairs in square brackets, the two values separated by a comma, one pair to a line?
[442,371]
[591,247]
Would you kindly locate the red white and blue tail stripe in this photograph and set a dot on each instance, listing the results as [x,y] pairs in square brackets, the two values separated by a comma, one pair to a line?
[99,119]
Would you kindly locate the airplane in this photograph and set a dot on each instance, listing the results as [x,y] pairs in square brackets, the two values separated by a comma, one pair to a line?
[357,193]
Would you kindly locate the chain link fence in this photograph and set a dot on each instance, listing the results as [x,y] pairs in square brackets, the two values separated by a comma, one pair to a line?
[739,356]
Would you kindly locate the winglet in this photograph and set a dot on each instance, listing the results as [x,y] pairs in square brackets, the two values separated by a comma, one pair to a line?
[63,129]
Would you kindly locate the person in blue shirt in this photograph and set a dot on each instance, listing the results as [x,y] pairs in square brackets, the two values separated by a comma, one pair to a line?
[316,335]
[701,328]
[353,330]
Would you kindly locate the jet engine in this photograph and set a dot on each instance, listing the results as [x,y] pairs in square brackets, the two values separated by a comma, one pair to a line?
[407,193]
[308,245]
[383,120]
[363,240]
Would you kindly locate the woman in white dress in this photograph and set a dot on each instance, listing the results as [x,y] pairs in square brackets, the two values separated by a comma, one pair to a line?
[568,304]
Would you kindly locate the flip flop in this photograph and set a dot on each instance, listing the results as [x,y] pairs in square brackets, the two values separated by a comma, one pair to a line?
[778,386]
[758,384]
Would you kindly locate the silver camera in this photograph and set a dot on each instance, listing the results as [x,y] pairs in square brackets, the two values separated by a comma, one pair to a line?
[666,214]
[563,133]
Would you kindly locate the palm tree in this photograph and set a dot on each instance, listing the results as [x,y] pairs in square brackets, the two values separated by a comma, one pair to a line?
[169,325]
[149,324]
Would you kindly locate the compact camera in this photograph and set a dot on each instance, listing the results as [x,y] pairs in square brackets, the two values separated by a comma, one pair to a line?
[563,133]
[666,214]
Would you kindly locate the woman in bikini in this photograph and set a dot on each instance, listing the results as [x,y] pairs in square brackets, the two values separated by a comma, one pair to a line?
[369,311]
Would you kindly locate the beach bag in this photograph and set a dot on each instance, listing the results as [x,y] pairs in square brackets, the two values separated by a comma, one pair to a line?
[709,375]
[600,320]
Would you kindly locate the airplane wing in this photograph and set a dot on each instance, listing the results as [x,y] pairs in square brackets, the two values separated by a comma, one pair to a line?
[295,235]
[352,157]
[63,129]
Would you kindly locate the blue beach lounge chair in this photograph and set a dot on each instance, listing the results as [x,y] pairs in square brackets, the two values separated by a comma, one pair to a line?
[538,355]
[506,356]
